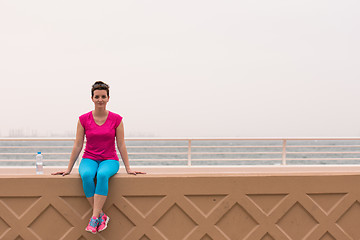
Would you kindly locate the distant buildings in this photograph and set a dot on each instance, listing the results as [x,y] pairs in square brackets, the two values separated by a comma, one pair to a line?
[33,133]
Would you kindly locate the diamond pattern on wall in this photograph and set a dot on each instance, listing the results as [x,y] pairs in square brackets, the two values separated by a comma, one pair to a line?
[183,207]
[3,227]
[175,216]
[144,204]
[349,221]
[205,203]
[50,224]
[144,237]
[19,205]
[327,236]
[327,201]
[80,205]
[267,237]
[236,223]
[122,222]
[206,237]
[267,202]
[297,222]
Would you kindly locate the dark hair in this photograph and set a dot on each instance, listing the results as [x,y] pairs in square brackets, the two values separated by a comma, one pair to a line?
[99,85]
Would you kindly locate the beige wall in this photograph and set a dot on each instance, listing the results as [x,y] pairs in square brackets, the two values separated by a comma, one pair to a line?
[186,206]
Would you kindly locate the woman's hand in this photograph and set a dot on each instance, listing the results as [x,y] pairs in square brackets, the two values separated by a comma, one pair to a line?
[135,172]
[63,173]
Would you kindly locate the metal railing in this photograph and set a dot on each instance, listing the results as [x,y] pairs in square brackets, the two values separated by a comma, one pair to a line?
[195,151]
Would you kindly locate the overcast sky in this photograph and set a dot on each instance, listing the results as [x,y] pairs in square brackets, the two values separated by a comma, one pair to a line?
[189,68]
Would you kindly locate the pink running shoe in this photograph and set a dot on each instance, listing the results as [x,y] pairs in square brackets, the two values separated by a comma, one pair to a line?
[93,225]
[103,222]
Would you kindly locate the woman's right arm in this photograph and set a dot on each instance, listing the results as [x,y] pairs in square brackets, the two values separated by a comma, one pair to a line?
[78,145]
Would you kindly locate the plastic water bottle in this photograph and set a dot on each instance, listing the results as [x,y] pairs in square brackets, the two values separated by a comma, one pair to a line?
[39,163]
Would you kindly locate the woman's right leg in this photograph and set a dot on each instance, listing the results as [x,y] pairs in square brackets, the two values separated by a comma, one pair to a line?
[87,170]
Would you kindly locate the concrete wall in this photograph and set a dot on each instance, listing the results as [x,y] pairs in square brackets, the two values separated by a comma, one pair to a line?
[198,205]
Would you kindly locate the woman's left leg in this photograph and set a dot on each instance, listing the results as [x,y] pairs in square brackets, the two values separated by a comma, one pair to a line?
[107,169]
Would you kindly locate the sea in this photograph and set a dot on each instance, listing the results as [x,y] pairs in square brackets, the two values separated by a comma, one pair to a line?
[202,152]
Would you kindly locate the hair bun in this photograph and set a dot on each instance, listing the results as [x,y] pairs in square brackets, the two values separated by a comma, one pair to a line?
[100,83]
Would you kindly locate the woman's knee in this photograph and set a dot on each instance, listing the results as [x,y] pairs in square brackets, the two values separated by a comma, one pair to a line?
[87,176]
[102,177]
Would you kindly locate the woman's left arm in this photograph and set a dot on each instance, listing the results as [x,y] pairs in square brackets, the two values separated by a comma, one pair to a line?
[120,142]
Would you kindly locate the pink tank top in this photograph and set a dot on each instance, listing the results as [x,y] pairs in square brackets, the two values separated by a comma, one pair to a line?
[100,140]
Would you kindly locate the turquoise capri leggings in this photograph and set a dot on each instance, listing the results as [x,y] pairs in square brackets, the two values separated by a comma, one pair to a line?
[103,170]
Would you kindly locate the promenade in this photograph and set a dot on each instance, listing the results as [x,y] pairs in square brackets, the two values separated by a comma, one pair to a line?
[187,202]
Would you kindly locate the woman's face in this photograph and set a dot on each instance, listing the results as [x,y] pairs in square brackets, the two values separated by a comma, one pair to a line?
[100,98]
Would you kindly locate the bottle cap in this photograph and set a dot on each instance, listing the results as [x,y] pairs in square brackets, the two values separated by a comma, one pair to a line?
[39,152]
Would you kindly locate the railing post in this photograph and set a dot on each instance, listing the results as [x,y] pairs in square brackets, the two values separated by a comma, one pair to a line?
[284,152]
[189,153]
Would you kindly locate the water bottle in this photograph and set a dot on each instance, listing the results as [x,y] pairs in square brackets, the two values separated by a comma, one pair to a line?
[39,163]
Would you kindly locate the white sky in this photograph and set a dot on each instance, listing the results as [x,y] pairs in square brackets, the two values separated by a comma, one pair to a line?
[190,68]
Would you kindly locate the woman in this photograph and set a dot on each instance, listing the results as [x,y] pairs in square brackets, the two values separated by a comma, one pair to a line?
[100,159]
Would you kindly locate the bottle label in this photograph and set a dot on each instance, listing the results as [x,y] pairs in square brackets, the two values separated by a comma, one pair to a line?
[39,168]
